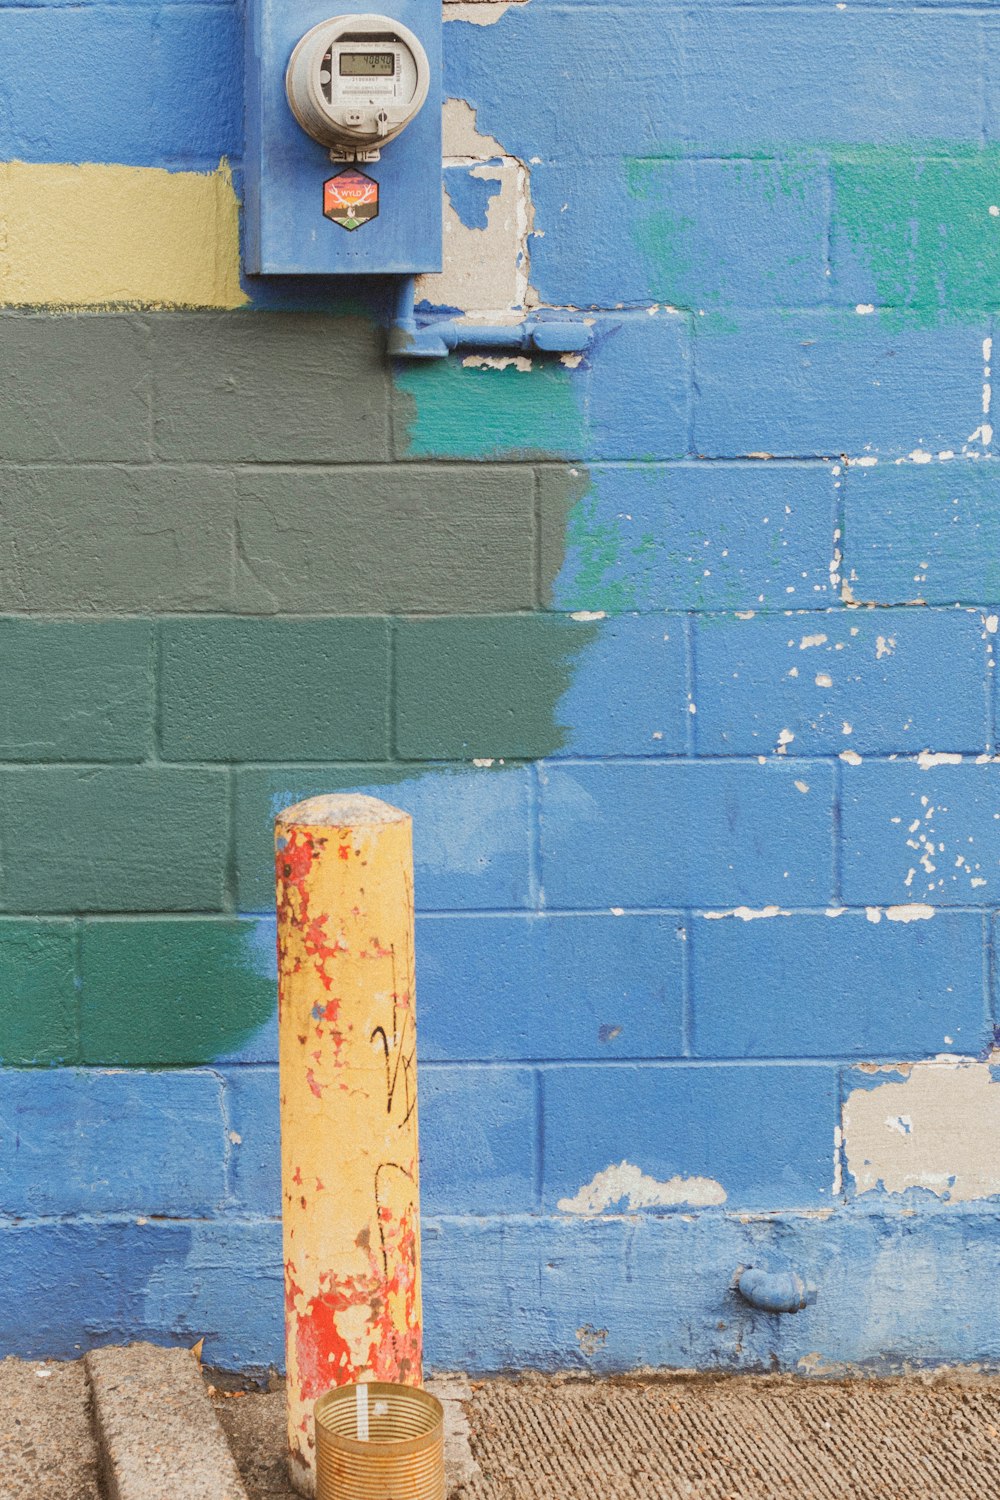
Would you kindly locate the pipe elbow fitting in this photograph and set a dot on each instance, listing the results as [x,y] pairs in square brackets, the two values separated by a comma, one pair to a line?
[774,1291]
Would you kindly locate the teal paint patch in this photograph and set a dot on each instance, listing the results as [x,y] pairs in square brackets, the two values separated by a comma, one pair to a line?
[911,228]
[448,409]
[915,231]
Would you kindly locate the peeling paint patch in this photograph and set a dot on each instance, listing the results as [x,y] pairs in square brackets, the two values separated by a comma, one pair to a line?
[591,1339]
[628,1187]
[747,913]
[935,1129]
[488,219]
[926,759]
[478,12]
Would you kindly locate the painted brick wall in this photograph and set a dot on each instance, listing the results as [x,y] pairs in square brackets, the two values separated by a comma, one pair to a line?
[681,656]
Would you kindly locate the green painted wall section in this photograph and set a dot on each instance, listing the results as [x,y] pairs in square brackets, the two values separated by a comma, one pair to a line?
[254,590]
[168,993]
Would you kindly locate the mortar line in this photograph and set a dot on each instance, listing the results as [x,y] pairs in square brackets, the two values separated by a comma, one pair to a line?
[230,882]
[839,1163]
[536,891]
[837,834]
[392,717]
[538,1161]
[990,690]
[536,537]
[691,687]
[76,940]
[687,998]
[828,225]
[693,391]
[494,913]
[989,970]
[158,648]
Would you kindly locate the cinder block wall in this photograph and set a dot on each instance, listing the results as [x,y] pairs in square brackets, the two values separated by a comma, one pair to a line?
[681,655]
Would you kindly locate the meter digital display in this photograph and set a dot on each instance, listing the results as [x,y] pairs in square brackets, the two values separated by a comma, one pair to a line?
[367,64]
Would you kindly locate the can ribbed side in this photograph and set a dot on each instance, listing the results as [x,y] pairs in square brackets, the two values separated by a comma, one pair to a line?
[403,1456]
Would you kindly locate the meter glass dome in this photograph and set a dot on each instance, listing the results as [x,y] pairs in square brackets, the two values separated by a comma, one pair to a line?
[355,82]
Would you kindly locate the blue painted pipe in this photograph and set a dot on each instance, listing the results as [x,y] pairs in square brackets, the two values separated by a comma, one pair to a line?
[774,1291]
[410,340]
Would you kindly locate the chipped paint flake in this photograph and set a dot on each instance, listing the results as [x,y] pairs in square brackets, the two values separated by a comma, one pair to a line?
[747,913]
[935,1129]
[478,12]
[627,1186]
[927,759]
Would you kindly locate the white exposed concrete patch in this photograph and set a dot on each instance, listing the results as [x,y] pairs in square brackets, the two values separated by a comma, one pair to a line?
[747,913]
[478,12]
[519,362]
[911,911]
[927,759]
[936,1129]
[626,1184]
[485,270]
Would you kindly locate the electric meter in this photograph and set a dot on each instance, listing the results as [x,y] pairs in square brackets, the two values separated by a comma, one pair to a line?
[354,83]
[322,89]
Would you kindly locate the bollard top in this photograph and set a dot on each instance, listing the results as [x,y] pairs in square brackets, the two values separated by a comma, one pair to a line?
[342,810]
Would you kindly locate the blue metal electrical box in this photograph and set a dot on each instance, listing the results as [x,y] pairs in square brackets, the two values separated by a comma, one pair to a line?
[306,214]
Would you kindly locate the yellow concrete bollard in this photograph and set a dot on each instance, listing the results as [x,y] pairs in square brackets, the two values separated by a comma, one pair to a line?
[349,1159]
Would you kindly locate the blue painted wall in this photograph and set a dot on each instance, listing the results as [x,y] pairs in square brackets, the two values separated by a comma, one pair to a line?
[701,757]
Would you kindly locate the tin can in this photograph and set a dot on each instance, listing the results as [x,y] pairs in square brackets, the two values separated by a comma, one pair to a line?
[379,1441]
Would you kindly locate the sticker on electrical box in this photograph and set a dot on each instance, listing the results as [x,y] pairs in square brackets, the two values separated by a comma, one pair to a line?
[350,199]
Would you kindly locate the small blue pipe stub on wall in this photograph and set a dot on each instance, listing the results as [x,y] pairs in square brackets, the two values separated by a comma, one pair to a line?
[309,215]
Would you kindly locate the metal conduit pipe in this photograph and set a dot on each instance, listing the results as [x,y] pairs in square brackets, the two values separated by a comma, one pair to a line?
[435,340]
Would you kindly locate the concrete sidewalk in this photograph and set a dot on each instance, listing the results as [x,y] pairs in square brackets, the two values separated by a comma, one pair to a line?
[148,1411]
[697,1437]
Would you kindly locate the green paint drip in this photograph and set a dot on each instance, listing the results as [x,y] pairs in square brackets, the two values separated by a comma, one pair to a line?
[457,411]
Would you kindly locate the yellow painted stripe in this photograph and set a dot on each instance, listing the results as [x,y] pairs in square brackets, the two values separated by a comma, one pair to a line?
[101,235]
